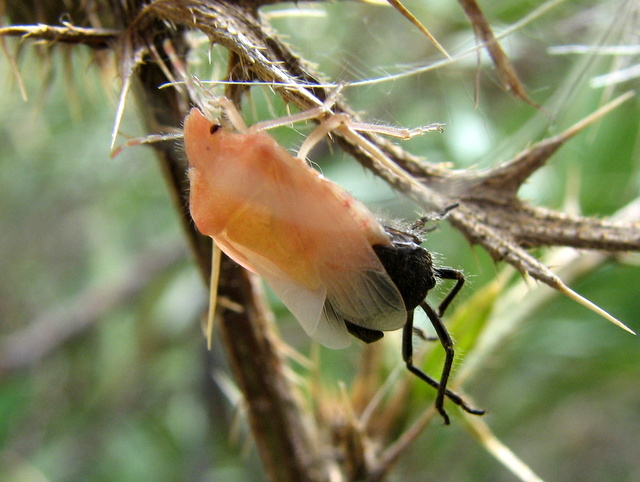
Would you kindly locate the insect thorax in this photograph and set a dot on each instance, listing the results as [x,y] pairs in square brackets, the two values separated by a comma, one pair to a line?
[411,269]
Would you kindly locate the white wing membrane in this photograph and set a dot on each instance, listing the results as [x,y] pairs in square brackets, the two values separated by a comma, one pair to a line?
[308,306]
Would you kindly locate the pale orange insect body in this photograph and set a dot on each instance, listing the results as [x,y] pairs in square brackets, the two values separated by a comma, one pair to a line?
[307,237]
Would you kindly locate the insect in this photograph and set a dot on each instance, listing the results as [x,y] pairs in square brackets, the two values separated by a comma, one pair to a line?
[336,268]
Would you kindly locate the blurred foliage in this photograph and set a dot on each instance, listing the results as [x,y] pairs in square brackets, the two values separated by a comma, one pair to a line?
[130,394]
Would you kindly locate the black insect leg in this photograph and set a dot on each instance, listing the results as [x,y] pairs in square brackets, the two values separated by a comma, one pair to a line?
[447,343]
[452,274]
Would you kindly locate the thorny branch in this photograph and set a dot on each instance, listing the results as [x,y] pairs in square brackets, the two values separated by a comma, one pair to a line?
[489,214]
[96,38]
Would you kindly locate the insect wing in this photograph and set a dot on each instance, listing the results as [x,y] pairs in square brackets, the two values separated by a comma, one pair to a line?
[309,240]
[306,304]
[368,300]
[308,308]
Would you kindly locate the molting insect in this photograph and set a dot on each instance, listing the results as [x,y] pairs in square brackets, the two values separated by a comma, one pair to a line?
[336,268]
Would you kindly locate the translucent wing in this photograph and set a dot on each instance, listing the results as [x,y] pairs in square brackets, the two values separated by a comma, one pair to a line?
[308,308]
[367,298]
[306,304]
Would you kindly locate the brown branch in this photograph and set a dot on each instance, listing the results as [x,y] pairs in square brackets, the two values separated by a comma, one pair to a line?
[535,226]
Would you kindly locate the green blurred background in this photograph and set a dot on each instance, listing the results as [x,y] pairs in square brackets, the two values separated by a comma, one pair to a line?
[104,374]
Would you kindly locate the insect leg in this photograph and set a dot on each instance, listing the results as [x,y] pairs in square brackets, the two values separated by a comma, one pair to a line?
[452,274]
[313,113]
[421,223]
[441,387]
[146,140]
[349,128]
[447,344]
[320,132]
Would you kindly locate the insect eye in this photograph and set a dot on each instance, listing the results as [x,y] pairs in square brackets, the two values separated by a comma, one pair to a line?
[214,128]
